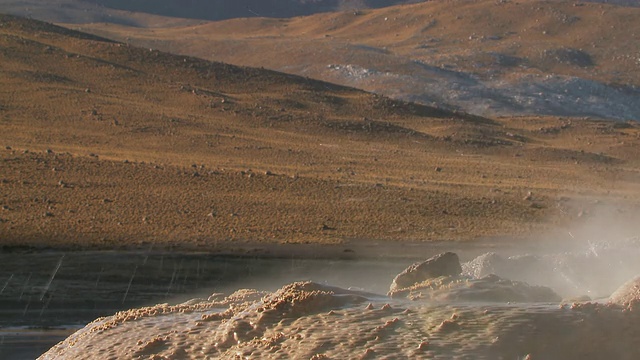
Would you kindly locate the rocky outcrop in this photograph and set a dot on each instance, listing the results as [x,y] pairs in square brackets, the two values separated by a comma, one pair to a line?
[439,279]
[445,264]
[493,288]
[627,294]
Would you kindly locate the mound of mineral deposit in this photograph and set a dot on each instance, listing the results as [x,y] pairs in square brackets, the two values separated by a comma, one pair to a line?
[439,278]
[627,294]
[312,321]
[451,316]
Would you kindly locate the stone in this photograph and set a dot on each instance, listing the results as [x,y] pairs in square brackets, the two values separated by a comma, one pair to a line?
[491,288]
[445,264]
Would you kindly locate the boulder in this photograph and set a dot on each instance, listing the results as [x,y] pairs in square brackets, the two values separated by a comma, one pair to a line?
[445,264]
[490,288]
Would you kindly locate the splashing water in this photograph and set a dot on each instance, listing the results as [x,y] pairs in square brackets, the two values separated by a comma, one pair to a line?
[53,275]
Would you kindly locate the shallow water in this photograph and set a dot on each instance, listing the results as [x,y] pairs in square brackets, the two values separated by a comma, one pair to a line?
[35,297]
[25,343]
[47,290]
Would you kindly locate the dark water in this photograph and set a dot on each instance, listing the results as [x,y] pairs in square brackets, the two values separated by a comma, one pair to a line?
[21,344]
[46,296]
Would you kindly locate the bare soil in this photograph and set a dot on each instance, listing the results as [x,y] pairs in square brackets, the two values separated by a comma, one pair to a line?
[108,145]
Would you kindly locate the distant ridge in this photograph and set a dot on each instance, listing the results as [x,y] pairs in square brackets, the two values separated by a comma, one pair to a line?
[137,12]
[483,57]
[146,13]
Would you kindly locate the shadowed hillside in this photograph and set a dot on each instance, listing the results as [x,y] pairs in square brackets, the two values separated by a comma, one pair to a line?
[490,58]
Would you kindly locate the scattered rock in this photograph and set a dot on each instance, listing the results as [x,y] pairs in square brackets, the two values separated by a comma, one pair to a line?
[325,227]
[448,325]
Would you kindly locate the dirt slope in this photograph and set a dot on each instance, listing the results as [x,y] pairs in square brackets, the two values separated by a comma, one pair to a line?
[107,145]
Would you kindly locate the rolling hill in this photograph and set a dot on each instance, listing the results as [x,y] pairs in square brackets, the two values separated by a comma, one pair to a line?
[489,58]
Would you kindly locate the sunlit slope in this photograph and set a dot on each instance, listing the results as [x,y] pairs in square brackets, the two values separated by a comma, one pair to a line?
[111,145]
[486,57]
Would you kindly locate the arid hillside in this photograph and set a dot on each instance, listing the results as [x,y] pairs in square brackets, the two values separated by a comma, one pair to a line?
[144,13]
[155,13]
[487,57]
[108,145]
